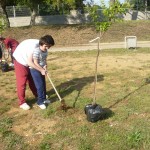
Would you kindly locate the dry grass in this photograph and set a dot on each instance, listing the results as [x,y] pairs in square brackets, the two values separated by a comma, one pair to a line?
[81,34]
[121,90]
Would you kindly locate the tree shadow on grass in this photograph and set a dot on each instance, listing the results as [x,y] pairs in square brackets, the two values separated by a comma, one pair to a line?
[147,81]
[75,84]
[107,113]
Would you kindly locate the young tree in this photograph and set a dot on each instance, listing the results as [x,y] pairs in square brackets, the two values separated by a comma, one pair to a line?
[102,18]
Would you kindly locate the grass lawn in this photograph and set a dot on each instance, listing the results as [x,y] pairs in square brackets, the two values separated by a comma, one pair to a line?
[123,90]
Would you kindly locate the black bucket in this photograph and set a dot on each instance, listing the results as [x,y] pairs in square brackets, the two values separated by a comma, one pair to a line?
[94,112]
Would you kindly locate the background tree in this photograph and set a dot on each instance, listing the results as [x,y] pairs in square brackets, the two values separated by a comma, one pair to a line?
[140,4]
[2,25]
[72,3]
[102,19]
[59,5]
[33,5]
[3,13]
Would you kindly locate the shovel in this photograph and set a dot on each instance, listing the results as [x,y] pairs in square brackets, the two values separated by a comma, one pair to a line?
[63,104]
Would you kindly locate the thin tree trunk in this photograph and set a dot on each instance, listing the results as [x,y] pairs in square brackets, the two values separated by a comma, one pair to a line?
[58,5]
[33,17]
[96,66]
[3,14]
[34,12]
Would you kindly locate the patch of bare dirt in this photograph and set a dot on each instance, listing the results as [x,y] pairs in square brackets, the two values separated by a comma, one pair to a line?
[33,128]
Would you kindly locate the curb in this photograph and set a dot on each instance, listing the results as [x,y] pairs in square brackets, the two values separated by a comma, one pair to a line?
[93,46]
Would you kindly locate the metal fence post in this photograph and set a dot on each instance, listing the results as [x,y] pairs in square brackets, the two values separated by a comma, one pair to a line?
[145,9]
[38,9]
[14,11]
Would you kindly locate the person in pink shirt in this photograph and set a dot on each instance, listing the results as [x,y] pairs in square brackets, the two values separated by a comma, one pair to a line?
[11,45]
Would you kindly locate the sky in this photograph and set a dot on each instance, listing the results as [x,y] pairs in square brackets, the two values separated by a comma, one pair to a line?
[106,1]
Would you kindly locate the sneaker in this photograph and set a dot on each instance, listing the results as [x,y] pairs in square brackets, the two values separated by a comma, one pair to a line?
[42,106]
[46,96]
[46,101]
[25,106]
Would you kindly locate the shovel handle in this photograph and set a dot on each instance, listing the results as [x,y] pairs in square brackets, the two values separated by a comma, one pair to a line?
[54,87]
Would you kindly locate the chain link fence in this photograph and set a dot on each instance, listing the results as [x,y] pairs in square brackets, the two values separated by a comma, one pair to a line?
[18,11]
[47,10]
[42,10]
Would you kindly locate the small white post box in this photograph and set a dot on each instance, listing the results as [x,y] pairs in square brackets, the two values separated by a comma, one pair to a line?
[130,42]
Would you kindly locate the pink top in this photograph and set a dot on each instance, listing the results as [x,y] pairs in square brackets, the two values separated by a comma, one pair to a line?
[11,43]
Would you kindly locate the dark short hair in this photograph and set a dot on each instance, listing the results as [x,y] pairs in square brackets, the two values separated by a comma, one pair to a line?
[47,39]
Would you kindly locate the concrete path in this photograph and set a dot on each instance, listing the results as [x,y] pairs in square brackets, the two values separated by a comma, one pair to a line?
[92,46]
